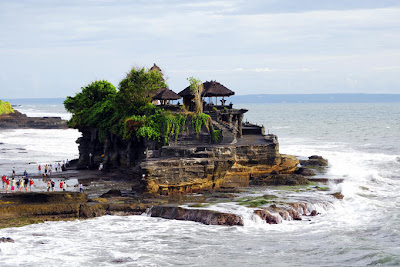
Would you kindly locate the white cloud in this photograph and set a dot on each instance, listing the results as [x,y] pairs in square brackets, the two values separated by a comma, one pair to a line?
[239,42]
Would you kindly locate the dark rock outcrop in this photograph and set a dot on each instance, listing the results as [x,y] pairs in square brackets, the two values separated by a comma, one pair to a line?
[208,217]
[18,120]
[305,171]
[280,179]
[6,240]
[314,161]
[112,193]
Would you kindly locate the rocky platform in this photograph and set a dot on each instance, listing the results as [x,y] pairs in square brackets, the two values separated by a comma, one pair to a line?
[18,120]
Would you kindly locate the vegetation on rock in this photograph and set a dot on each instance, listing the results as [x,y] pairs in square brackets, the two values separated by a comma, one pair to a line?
[128,111]
[5,108]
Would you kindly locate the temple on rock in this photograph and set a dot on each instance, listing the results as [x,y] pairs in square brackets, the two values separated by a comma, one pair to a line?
[205,151]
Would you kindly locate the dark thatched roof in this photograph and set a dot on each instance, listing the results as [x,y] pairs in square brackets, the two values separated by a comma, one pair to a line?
[155,67]
[166,94]
[211,88]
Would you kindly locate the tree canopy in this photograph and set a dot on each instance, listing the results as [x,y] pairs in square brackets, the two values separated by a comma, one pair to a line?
[128,111]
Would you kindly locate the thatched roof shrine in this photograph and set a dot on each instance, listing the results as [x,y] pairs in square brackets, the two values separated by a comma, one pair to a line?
[166,94]
[211,88]
[155,67]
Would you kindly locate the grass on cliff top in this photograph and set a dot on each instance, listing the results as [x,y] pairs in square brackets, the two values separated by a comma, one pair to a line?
[5,108]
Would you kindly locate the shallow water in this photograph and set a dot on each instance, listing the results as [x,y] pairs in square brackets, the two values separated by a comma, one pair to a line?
[361,142]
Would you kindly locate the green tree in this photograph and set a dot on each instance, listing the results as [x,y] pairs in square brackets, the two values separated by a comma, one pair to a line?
[95,104]
[137,89]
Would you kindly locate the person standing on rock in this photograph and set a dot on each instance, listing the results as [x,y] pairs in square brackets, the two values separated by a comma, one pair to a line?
[48,185]
[30,184]
[81,188]
[26,182]
[45,170]
[52,185]
[18,183]
[40,169]
[61,185]
[7,185]
[13,173]
[13,184]
[4,179]
[65,186]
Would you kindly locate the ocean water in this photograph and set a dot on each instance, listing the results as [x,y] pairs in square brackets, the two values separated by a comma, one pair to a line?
[362,144]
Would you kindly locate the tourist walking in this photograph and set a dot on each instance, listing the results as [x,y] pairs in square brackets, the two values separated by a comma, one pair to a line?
[48,185]
[13,185]
[13,173]
[26,182]
[40,169]
[18,185]
[65,186]
[52,185]
[7,185]
[61,185]
[3,178]
[30,184]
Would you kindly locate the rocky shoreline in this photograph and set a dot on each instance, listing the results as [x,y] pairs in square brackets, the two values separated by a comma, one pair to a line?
[17,120]
[20,209]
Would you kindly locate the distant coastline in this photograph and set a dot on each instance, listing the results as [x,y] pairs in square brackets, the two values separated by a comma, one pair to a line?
[263,98]
[316,98]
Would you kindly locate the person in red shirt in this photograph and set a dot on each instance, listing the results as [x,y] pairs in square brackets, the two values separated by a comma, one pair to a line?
[7,185]
[61,185]
[4,180]
[30,184]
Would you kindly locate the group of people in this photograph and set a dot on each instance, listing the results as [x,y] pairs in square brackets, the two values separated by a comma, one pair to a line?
[48,168]
[51,185]
[12,184]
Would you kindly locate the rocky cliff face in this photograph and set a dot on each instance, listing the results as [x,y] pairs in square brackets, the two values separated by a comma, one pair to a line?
[184,170]
[186,165]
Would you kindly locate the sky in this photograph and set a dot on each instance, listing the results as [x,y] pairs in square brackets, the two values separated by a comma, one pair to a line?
[52,48]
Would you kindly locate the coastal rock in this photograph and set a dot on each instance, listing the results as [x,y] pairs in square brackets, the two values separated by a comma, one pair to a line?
[18,120]
[338,195]
[313,213]
[6,240]
[314,161]
[267,216]
[112,193]
[280,179]
[208,217]
[304,171]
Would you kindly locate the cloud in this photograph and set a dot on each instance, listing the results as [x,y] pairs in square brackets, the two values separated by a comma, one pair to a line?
[257,43]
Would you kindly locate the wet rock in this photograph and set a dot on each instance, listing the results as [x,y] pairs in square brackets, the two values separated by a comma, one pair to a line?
[314,213]
[280,179]
[18,120]
[112,193]
[305,171]
[314,161]
[294,214]
[208,217]
[6,240]
[267,216]
[338,195]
